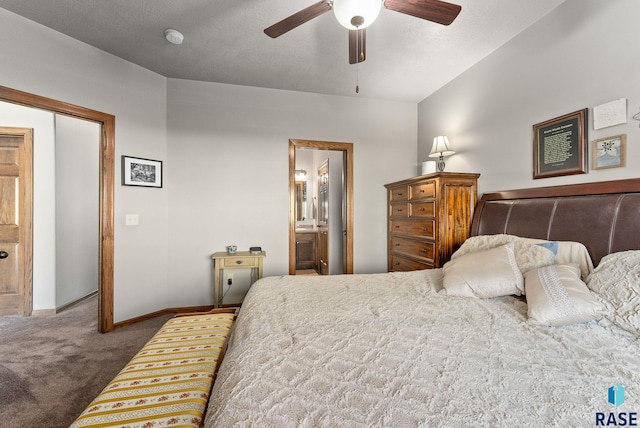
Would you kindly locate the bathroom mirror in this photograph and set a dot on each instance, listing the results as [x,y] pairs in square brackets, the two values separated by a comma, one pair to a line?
[301,200]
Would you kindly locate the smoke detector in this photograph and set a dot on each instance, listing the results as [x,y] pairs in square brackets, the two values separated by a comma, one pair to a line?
[174,36]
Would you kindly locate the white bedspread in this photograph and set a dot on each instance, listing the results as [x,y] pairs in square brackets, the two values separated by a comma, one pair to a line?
[388,350]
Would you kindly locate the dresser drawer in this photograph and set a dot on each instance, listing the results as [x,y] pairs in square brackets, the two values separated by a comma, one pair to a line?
[422,209]
[399,209]
[239,261]
[419,228]
[400,193]
[402,264]
[421,191]
[424,250]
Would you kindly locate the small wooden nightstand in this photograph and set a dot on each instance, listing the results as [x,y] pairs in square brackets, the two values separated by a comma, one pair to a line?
[240,260]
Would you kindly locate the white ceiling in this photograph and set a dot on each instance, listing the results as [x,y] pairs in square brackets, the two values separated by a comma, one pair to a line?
[407,58]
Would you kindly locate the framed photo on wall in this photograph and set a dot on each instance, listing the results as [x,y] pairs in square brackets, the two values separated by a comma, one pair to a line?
[560,146]
[609,152]
[141,172]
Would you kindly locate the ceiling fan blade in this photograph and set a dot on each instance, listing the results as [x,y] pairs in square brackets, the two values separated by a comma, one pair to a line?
[357,46]
[298,18]
[432,10]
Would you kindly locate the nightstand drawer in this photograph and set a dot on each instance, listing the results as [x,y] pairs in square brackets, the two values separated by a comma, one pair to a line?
[424,250]
[401,264]
[400,193]
[419,228]
[424,190]
[399,209]
[422,209]
[239,261]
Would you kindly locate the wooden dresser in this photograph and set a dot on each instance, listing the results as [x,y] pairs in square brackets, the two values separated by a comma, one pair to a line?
[429,218]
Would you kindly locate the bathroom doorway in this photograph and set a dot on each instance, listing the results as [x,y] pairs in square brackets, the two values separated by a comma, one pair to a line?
[344,151]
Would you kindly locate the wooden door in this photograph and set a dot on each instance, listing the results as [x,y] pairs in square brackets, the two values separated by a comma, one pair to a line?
[323,218]
[16,258]
[323,251]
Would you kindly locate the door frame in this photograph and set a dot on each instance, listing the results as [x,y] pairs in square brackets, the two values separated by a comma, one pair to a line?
[347,149]
[107,123]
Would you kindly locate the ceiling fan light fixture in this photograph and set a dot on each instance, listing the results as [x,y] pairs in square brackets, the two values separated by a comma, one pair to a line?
[356,14]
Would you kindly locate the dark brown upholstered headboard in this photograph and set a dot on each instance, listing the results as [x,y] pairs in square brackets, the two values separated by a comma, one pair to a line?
[604,216]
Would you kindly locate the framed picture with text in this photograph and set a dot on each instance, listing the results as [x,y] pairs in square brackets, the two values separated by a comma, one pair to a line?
[560,146]
[609,152]
[141,172]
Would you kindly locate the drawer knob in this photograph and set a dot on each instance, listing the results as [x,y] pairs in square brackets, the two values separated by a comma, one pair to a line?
[424,251]
[397,227]
[238,262]
[421,210]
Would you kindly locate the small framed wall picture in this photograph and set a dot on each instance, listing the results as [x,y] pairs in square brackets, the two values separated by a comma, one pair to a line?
[609,152]
[141,172]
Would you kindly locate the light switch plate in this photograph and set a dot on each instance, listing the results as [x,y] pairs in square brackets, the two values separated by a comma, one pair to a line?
[131,219]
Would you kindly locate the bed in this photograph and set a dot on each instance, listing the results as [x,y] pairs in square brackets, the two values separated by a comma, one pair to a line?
[538,340]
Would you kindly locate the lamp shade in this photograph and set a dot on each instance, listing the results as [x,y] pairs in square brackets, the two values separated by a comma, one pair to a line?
[356,14]
[441,147]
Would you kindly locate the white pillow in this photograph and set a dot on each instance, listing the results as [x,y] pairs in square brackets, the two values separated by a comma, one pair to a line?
[570,252]
[616,280]
[528,255]
[482,274]
[575,252]
[557,296]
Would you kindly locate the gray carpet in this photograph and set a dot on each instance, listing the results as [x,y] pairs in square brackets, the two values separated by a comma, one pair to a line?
[51,367]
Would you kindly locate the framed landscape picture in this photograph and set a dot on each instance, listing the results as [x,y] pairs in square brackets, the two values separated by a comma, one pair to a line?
[609,152]
[141,172]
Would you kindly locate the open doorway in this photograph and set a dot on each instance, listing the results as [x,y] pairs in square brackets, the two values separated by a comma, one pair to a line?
[52,247]
[106,182]
[304,212]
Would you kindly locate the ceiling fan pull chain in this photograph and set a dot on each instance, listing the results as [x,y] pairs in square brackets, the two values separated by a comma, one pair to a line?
[359,49]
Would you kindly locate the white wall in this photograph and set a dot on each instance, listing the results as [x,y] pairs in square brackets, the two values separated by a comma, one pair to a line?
[583,54]
[225,153]
[39,60]
[76,183]
[228,177]
[225,147]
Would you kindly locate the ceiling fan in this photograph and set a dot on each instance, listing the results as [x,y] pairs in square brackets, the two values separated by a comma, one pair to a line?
[356,15]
